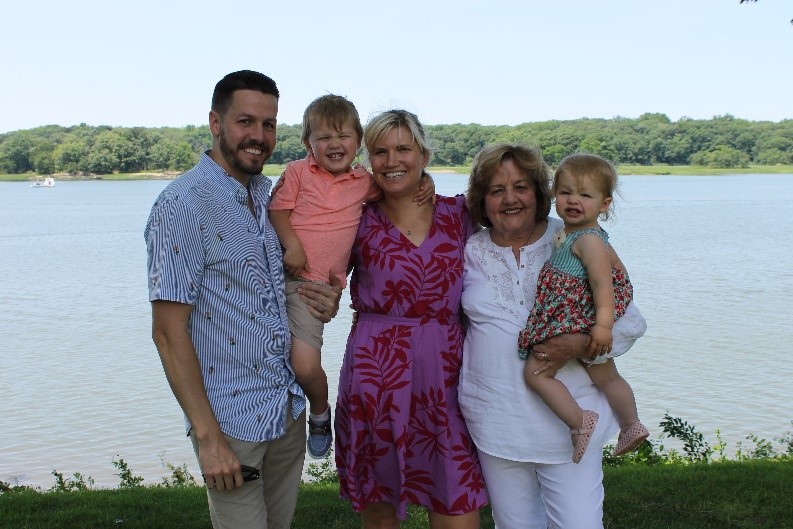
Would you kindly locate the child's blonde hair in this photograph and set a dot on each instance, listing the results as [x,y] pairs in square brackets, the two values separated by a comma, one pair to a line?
[600,170]
[334,110]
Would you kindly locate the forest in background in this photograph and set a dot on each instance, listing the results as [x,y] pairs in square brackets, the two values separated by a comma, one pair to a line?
[652,138]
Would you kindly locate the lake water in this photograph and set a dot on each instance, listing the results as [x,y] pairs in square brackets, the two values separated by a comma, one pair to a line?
[81,382]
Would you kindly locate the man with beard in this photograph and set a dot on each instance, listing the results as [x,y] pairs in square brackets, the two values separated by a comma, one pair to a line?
[216,283]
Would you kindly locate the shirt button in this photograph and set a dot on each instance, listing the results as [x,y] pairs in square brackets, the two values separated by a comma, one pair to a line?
[521,303]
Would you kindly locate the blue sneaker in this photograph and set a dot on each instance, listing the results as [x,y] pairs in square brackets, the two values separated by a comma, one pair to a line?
[320,438]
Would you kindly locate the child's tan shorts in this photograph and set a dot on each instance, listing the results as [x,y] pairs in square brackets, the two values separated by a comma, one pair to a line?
[302,324]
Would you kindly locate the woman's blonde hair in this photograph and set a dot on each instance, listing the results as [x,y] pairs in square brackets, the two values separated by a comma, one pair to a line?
[383,123]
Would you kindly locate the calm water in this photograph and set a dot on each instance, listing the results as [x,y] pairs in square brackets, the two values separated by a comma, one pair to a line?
[81,382]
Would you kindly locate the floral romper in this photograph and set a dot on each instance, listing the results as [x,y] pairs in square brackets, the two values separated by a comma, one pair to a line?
[564,302]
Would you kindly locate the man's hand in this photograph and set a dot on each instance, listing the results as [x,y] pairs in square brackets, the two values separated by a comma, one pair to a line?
[220,466]
[322,301]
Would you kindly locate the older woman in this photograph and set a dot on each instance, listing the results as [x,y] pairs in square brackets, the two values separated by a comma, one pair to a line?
[524,449]
[400,436]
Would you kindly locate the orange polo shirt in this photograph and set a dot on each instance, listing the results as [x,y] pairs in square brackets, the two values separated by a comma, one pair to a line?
[326,210]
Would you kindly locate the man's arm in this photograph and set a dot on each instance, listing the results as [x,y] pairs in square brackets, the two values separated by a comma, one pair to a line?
[171,335]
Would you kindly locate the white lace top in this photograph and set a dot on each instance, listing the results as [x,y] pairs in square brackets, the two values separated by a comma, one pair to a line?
[504,417]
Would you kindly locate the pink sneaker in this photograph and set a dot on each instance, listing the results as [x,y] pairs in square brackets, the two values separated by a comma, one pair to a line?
[630,438]
[580,436]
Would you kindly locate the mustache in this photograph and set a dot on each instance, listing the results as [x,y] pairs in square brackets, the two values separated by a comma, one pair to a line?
[256,145]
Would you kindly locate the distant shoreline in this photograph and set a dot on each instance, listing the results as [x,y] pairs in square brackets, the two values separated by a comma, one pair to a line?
[276,170]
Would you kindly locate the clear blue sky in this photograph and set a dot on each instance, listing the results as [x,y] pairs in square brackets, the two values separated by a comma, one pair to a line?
[151,63]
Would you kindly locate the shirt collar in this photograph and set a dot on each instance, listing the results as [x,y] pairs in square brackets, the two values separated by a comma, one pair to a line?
[220,179]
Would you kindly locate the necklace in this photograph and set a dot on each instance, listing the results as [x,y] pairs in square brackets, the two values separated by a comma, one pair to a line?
[531,234]
[408,222]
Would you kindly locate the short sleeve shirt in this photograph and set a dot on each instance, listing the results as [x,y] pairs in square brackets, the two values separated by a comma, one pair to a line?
[326,211]
[206,249]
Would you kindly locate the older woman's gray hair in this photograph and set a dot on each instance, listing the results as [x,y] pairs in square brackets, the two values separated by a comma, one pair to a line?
[529,162]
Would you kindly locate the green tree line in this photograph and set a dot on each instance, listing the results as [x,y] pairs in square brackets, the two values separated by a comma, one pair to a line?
[723,141]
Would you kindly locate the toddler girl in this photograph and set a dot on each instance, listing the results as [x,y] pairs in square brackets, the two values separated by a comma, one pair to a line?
[583,287]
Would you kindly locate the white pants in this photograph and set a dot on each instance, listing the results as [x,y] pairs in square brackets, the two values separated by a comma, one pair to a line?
[545,496]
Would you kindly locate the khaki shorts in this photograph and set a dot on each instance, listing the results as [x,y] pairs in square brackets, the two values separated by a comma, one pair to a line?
[270,500]
[302,324]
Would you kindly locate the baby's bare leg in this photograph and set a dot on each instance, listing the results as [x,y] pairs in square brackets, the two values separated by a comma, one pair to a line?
[617,390]
[555,394]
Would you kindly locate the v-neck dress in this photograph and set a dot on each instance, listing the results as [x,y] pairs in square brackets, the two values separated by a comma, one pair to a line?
[400,435]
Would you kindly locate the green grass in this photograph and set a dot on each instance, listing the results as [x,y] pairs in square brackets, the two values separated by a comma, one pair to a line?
[662,170]
[276,170]
[726,494]
[16,177]
[701,170]
[729,494]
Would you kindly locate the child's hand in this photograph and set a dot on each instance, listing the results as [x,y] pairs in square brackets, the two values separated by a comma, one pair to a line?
[426,189]
[599,341]
[295,260]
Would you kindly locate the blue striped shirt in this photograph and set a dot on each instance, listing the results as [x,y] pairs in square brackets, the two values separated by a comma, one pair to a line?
[205,249]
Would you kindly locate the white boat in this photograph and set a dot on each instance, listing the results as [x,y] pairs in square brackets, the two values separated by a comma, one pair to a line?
[47,182]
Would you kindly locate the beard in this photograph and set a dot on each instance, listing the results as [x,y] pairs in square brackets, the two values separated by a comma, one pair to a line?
[230,155]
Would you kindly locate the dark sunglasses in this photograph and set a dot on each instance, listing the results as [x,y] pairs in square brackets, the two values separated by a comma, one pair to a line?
[248,473]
